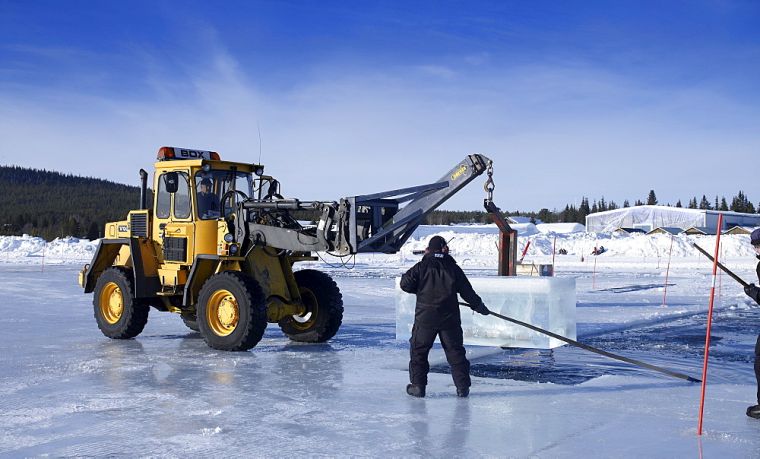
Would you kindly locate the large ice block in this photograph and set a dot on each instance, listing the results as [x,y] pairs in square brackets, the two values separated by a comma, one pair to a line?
[545,302]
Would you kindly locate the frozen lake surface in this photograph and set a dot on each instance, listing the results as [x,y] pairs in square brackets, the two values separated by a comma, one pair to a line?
[66,390]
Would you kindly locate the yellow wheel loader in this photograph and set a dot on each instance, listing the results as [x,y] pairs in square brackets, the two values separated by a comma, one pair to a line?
[218,244]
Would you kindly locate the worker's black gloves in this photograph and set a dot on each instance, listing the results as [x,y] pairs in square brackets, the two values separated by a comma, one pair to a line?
[753,292]
[481,309]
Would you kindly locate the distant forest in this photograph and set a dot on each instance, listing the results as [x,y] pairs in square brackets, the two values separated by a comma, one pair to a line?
[51,204]
[572,214]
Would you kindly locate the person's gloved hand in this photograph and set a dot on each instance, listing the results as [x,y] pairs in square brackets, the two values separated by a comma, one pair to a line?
[753,292]
[481,309]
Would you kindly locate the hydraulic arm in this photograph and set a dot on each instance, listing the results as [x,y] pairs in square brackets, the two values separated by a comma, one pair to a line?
[379,222]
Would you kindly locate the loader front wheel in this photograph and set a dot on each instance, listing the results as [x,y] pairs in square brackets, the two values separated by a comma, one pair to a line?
[118,314]
[232,312]
[324,308]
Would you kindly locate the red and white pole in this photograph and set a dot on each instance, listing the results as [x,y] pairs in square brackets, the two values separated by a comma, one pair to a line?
[709,324]
[667,272]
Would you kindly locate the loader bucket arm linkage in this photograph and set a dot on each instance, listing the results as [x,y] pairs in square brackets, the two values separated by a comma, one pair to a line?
[379,222]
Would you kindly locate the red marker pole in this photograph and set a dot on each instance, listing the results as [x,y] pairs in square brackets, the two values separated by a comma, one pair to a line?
[667,272]
[709,325]
[525,250]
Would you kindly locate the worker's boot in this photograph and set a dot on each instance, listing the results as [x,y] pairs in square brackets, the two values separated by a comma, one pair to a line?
[754,411]
[415,391]
[463,392]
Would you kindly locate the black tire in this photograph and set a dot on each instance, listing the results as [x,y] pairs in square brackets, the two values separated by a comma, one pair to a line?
[232,313]
[191,322]
[118,314]
[324,304]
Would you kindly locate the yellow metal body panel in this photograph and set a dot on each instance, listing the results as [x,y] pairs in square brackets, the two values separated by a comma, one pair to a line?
[172,277]
[275,276]
[116,230]
[206,238]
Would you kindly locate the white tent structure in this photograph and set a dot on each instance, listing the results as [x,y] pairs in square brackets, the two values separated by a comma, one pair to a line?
[648,218]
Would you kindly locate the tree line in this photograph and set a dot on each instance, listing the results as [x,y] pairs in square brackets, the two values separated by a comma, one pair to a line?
[50,205]
[577,214]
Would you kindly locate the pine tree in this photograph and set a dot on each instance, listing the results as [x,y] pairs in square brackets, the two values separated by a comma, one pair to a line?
[602,205]
[723,204]
[583,211]
[626,204]
[704,204]
[651,199]
[678,204]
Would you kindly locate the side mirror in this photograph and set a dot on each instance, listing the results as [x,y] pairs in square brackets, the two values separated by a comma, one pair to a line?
[171,180]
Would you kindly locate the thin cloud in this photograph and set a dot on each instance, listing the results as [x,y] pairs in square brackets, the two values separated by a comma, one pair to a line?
[555,133]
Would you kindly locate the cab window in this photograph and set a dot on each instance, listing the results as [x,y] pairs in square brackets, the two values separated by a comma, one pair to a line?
[163,199]
[182,206]
[211,185]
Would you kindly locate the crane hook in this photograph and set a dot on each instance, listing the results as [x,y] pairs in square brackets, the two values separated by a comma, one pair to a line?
[489,185]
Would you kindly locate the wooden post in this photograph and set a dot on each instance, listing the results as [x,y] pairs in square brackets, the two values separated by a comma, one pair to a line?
[507,241]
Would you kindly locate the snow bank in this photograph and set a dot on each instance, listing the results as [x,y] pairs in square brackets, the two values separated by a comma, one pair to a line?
[560,228]
[29,249]
[472,245]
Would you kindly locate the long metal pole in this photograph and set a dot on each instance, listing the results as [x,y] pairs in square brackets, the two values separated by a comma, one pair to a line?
[593,349]
[709,326]
[720,265]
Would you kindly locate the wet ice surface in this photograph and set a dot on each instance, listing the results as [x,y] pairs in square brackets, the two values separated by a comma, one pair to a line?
[65,390]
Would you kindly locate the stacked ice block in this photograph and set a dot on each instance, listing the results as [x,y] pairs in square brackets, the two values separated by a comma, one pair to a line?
[545,302]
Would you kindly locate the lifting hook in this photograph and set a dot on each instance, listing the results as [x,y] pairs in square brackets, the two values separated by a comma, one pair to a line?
[489,185]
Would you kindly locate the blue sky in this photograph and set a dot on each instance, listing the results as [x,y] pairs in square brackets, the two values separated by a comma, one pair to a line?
[569,99]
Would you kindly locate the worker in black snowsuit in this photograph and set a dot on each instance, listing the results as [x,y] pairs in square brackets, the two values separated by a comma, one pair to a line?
[436,280]
[754,292]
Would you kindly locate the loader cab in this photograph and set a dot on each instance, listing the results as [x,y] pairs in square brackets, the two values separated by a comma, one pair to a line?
[195,192]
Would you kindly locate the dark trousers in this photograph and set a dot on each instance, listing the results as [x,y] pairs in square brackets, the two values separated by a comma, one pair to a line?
[419,347]
[757,367]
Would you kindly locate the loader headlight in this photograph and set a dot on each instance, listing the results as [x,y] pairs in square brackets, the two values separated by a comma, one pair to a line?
[259,171]
[206,167]
[228,237]
[233,249]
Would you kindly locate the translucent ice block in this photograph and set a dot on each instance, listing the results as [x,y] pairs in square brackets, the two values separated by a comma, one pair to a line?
[545,302]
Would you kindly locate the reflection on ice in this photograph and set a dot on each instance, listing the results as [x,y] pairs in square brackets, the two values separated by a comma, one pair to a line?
[546,302]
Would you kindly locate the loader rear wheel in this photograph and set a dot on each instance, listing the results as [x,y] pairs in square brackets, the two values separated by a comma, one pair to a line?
[118,314]
[324,308]
[232,313]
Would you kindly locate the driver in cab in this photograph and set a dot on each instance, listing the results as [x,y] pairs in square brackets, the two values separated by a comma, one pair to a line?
[208,202]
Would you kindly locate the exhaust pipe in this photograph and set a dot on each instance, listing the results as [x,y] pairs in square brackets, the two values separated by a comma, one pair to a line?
[143,189]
